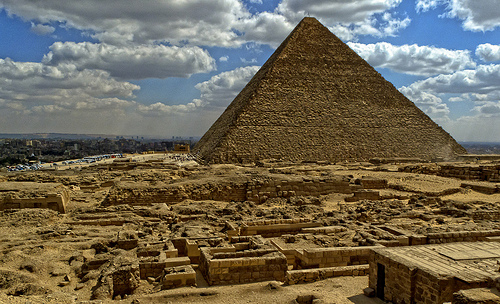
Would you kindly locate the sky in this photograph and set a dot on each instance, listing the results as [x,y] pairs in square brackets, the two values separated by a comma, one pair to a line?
[163,68]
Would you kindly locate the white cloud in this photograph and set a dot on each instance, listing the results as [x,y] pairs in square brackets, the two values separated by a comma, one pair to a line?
[266,28]
[161,109]
[216,93]
[132,62]
[488,52]
[221,89]
[482,80]
[348,19]
[414,59]
[248,61]
[425,5]
[480,86]
[29,85]
[224,58]
[333,11]
[147,21]
[427,102]
[489,108]
[41,29]
[482,15]
[229,23]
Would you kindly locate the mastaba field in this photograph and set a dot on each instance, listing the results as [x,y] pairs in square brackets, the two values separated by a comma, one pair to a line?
[320,183]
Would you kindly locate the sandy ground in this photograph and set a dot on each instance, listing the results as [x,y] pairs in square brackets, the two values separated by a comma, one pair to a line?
[39,248]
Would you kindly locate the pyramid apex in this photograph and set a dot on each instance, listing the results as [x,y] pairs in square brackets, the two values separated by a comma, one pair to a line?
[309,21]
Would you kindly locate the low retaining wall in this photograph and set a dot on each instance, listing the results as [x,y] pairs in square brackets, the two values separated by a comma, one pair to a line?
[242,267]
[150,267]
[489,173]
[333,256]
[53,201]
[461,236]
[178,277]
[275,228]
[312,275]
[128,192]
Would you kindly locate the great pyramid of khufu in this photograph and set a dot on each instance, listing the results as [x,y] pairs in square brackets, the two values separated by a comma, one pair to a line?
[315,99]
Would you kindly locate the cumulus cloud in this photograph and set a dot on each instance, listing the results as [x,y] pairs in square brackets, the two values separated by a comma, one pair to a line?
[348,19]
[266,28]
[425,5]
[161,109]
[146,21]
[224,58]
[488,52]
[481,15]
[229,23]
[480,86]
[427,102]
[414,59]
[31,84]
[335,10]
[41,29]
[490,108]
[132,62]
[221,89]
[216,93]
[482,80]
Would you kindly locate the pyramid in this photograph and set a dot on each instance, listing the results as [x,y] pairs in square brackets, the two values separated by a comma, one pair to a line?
[315,99]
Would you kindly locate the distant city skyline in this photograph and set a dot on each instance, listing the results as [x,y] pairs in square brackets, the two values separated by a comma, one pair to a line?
[162,68]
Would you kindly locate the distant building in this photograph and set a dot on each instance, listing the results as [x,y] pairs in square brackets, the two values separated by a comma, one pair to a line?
[182,148]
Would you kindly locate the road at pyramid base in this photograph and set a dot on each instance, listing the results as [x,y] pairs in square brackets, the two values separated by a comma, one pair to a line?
[316,100]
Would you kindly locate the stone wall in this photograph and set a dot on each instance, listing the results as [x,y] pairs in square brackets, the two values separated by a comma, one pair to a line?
[489,173]
[398,279]
[409,238]
[461,236]
[178,276]
[53,201]
[275,228]
[316,274]
[251,190]
[242,267]
[333,256]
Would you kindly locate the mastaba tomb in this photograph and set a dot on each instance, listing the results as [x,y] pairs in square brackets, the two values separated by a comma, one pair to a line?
[315,99]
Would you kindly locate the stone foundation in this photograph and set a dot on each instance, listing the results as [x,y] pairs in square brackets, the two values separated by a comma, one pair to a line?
[127,192]
[242,267]
[274,228]
[490,173]
[178,276]
[313,275]
[333,256]
[53,201]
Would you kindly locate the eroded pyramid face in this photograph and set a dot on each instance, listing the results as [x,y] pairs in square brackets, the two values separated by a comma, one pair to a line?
[316,99]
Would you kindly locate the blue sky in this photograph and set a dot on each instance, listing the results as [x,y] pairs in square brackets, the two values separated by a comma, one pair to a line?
[167,68]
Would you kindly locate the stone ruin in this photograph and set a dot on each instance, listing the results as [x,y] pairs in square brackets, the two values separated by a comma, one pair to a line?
[29,195]
[315,99]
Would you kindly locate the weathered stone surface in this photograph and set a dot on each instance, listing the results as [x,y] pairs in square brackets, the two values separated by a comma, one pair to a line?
[316,100]
[477,296]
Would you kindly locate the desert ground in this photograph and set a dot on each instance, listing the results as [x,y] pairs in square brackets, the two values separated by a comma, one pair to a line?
[46,255]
